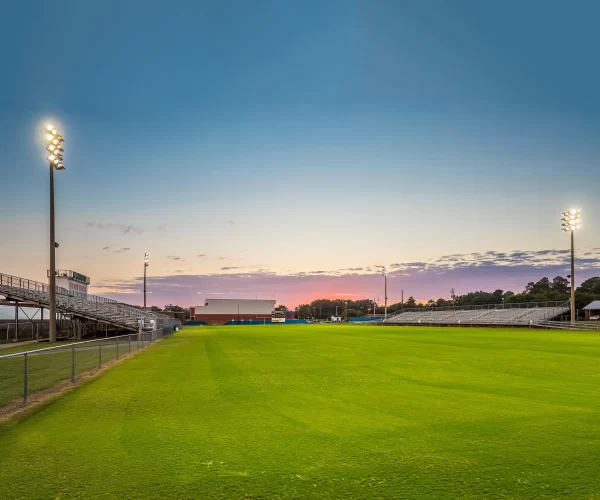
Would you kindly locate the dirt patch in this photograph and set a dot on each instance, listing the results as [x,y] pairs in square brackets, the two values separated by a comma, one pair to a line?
[36,399]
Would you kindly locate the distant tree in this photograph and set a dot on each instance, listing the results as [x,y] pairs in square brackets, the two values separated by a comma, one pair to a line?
[561,285]
[411,302]
[155,309]
[281,307]
[174,308]
[591,286]
[542,286]
[304,311]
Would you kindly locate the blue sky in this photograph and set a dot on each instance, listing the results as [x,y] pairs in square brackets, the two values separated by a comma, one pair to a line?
[288,137]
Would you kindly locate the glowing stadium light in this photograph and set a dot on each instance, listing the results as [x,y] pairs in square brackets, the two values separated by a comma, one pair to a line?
[571,220]
[146,264]
[55,160]
[384,273]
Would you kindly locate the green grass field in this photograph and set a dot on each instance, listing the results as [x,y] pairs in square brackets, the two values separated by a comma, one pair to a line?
[323,411]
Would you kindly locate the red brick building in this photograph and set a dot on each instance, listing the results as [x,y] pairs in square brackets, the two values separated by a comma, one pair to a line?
[221,311]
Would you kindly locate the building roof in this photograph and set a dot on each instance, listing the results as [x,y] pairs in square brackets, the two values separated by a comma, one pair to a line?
[593,306]
[230,306]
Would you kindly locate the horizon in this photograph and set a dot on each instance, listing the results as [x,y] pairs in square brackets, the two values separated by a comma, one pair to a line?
[292,149]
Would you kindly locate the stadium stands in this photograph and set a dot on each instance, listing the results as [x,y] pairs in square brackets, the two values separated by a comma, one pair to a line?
[515,315]
[91,307]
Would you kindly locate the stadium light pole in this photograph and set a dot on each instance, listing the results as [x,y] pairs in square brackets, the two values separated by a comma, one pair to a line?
[55,148]
[384,273]
[571,220]
[146,264]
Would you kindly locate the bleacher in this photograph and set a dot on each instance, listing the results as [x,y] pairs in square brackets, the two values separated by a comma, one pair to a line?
[529,314]
[90,307]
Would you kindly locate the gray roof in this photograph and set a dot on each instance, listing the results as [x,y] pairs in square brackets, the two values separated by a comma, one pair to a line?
[594,306]
[230,306]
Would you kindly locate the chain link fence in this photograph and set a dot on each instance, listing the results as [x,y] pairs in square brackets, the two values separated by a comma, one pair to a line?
[26,373]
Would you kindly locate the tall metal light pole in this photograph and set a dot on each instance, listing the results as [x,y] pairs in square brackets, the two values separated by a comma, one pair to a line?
[146,264]
[384,273]
[571,220]
[54,147]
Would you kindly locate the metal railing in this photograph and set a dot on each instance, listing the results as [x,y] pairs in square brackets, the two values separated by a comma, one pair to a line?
[36,286]
[24,374]
[567,325]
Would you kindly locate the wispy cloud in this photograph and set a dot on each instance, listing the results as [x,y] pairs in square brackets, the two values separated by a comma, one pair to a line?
[175,257]
[230,222]
[124,228]
[163,228]
[423,280]
[116,250]
[201,255]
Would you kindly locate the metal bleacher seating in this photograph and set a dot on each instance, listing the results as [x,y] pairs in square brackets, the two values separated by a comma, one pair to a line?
[528,314]
[91,307]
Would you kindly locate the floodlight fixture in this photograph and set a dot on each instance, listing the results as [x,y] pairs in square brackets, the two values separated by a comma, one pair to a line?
[55,162]
[571,221]
[384,273]
[146,263]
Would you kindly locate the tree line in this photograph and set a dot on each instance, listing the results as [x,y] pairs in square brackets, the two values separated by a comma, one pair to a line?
[557,289]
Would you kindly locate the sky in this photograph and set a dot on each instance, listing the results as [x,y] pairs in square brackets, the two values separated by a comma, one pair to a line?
[289,149]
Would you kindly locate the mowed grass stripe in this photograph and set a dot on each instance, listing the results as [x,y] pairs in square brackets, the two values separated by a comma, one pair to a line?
[337,411]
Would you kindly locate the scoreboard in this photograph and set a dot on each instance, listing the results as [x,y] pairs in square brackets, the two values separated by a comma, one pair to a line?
[75,284]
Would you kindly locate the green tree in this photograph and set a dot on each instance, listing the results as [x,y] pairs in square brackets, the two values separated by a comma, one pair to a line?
[591,286]
[561,285]
[174,308]
[411,302]
[542,286]
[304,311]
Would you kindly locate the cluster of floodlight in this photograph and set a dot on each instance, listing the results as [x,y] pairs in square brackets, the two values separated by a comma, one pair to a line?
[146,259]
[54,147]
[384,271]
[571,220]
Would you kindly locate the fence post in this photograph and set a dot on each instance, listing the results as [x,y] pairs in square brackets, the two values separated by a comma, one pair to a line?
[117,337]
[129,339]
[99,354]
[73,363]
[138,341]
[25,381]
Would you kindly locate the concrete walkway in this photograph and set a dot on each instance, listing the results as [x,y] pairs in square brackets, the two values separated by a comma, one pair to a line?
[16,344]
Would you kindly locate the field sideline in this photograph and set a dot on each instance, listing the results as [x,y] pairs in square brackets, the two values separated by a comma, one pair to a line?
[323,411]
